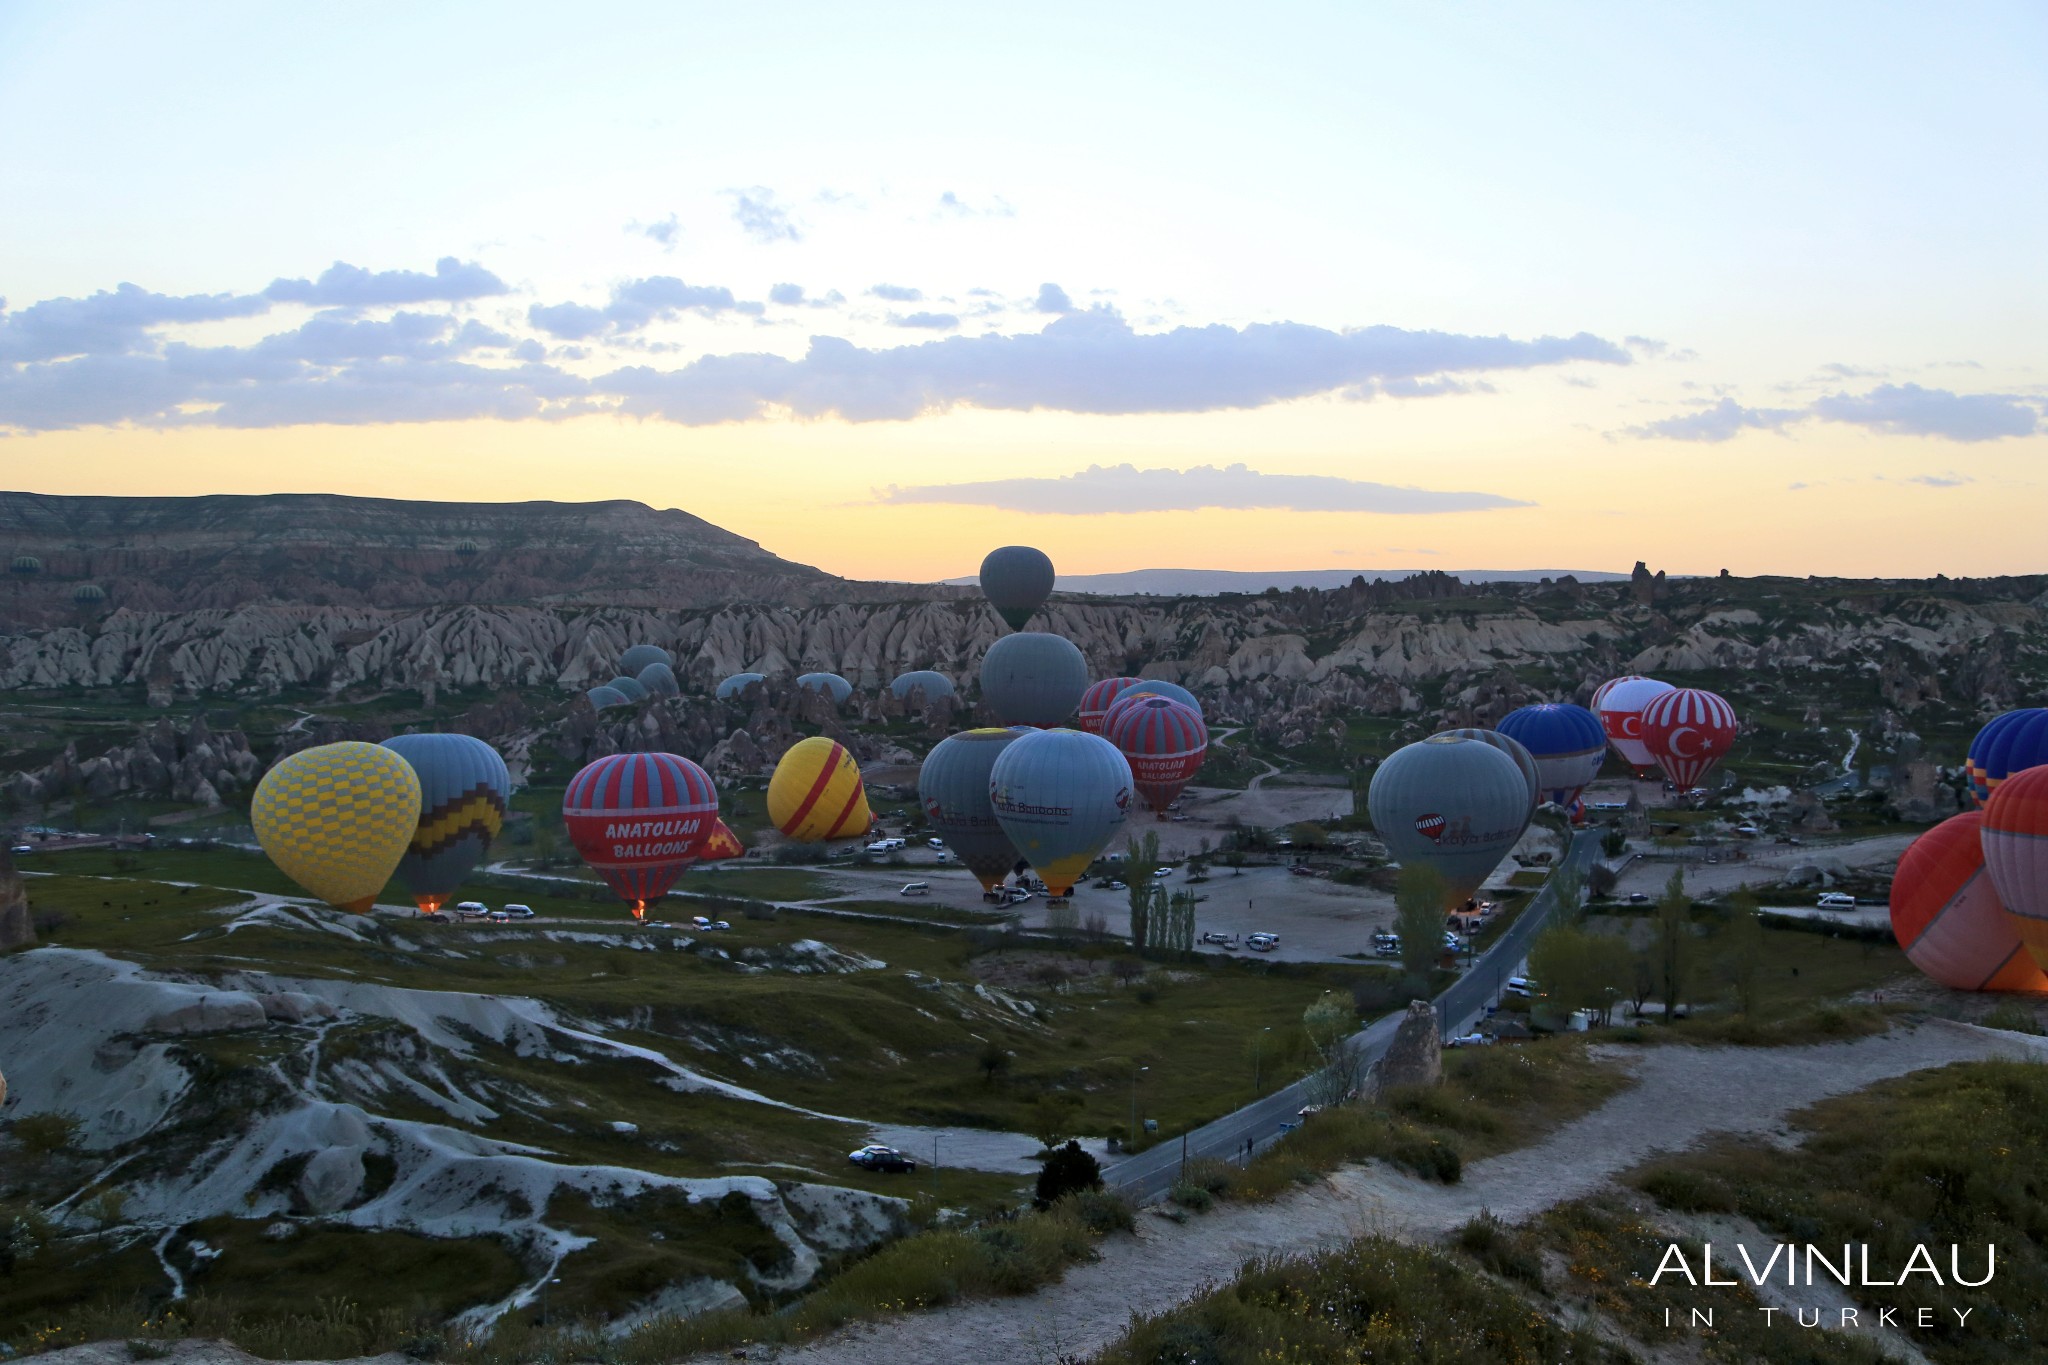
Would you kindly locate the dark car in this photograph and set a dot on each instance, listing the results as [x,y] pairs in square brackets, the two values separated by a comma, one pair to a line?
[876,1157]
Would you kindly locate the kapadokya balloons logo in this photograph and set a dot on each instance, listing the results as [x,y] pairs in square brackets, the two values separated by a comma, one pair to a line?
[1431,827]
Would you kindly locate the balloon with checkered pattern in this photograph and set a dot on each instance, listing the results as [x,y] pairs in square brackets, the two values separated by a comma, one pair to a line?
[336,819]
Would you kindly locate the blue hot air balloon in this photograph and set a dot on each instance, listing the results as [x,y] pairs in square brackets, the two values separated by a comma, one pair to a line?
[464,789]
[2011,743]
[730,688]
[604,696]
[953,788]
[834,686]
[659,680]
[639,656]
[631,688]
[1061,796]
[1567,743]
[1032,678]
[934,684]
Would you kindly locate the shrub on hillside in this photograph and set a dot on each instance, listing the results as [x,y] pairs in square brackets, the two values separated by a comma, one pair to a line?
[1068,1170]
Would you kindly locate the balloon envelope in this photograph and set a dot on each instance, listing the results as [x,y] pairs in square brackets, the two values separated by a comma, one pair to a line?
[1016,580]
[1565,740]
[1163,740]
[639,820]
[1096,701]
[1688,731]
[630,688]
[1032,678]
[2011,743]
[659,680]
[1620,706]
[639,656]
[722,844]
[1946,913]
[1513,749]
[929,681]
[831,684]
[1160,687]
[953,788]
[2015,839]
[730,688]
[604,696]
[1061,796]
[464,789]
[816,793]
[1456,805]
[336,819]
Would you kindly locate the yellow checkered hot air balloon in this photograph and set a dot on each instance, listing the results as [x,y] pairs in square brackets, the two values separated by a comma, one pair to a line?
[336,818]
[816,793]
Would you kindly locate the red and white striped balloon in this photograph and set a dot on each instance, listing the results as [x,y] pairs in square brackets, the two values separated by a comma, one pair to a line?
[1688,731]
[1619,703]
[1164,741]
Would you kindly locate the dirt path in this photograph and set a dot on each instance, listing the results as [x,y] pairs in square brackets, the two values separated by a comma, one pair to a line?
[1681,1095]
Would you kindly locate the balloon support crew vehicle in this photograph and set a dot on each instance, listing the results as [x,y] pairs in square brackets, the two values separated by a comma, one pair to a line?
[876,1157]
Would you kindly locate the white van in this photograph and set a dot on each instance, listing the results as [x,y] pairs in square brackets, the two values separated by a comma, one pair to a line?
[916,889]
[1837,900]
[473,910]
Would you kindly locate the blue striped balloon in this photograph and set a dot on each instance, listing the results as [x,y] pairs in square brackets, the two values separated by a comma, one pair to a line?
[464,789]
[1567,743]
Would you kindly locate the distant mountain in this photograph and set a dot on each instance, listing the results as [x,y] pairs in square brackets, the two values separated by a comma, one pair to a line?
[1210,582]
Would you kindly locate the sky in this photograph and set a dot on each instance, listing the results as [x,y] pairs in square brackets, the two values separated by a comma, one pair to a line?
[1287,286]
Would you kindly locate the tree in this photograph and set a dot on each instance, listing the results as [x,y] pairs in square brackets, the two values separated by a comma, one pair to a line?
[42,1135]
[1579,968]
[1419,917]
[1743,953]
[1067,1170]
[1141,861]
[1126,970]
[1614,842]
[993,1061]
[1569,893]
[1329,1022]
[1672,945]
[1601,881]
[1053,1115]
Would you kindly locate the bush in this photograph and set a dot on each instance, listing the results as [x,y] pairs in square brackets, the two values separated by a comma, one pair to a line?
[1215,1176]
[1686,1191]
[43,1135]
[2013,1018]
[1103,1213]
[1192,1197]
[1505,1251]
[1427,1157]
[1068,1170]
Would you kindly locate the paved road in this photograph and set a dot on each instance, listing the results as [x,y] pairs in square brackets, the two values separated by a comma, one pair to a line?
[1153,1172]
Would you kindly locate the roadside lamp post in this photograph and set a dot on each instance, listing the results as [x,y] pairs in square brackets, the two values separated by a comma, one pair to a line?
[1259,1057]
[1134,1103]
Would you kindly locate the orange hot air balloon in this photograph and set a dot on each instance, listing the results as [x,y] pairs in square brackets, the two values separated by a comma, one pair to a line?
[2015,839]
[1946,914]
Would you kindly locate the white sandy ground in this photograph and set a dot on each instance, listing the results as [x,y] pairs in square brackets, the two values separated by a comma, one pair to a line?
[1681,1096]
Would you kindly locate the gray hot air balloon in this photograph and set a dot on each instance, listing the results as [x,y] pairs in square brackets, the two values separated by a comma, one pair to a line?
[659,680]
[1032,678]
[633,688]
[838,688]
[1016,579]
[1061,796]
[953,788]
[1513,748]
[730,689]
[935,684]
[1457,805]
[604,695]
[88,594]
[636,659]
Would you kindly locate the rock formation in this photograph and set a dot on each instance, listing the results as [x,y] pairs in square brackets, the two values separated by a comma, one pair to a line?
[1416,1056]
[16,928]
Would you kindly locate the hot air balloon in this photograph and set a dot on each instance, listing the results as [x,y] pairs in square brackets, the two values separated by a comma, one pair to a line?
[1513,749]
[88,594]
[2015,839]
[1160,687]
[1620,704]
[632,689]
[722,844]
[953,787]
[604,696]
[1032,678]
[730,688]
[933,684]
[27,566]
[1163,740]
[659,680]
[639,820]
[466,548]
[831,684]
[1061,796]
[2011,743]
[336,819]
[1688,732]
[464,788]
[1946,915]
[816,793]
[1565,740]
[1457,805]
[1095,702]
[638,657]
[1016,580]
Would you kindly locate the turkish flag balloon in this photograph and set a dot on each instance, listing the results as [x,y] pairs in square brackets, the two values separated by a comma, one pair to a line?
[1688,731]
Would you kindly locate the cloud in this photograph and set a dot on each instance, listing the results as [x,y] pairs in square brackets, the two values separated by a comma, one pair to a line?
[1909,410]
[343,285]
[1099,489]
[788,295]
[761,217]
[1724,421]
[1052,299]
[110,323]
[951,205]
[1949,480]
[937,322]
[897,293]
[634,305]
[667,232]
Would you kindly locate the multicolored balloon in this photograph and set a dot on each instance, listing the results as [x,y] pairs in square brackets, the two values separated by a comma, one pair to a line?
[639,820]
[1512,748]
[1032,678]
[464,789]
[722,844]
[2011,743]
[816,794]
[1946,913]
[1456,805]
[1160,687]
[336,819]
[1060,796]
[1096,701]
[1688,731]
[2015,839]
[1016,580]
[1619,703]
[1163,740]
[1565,740]
[953,788]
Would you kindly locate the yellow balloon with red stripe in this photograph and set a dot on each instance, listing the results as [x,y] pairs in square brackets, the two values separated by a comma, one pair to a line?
[336,818]
[816,793]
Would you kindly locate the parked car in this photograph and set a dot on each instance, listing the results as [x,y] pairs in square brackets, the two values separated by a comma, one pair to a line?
[700,921]
[23,848]
[1018,895]
[1220,940]
[1748,831]
[1262,943]
[1522,986]
[718,926]
[1308,1109]
[1386,945]
[1299,871]
[1452,943]
[1470,1040]
[1836,900]
[916,889]
[518,911]
[1162,872]
[886,845]
[1638,898]
[935,843]
[1116,885]
[473,910]
[876,1157]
